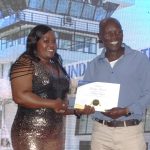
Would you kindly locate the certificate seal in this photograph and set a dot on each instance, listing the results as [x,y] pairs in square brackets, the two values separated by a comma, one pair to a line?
[96,102]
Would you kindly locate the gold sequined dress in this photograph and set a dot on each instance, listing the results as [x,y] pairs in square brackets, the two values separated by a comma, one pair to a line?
[42,128]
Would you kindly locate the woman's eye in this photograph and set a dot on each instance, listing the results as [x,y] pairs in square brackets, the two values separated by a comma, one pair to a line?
[46,41]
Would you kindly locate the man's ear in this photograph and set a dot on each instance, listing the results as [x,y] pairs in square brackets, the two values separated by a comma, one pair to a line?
[99,38]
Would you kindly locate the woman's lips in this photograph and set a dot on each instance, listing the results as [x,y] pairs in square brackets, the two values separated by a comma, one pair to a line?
[50,50]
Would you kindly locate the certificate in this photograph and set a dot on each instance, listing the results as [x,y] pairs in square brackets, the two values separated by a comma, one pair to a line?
[101,95]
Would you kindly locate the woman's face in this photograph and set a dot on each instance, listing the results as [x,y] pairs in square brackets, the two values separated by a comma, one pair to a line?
[46,46]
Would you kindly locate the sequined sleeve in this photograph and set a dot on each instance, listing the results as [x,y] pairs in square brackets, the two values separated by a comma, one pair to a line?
[23,66]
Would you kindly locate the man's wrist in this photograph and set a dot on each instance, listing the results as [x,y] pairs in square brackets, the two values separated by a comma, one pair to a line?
[77,114]
[127,112]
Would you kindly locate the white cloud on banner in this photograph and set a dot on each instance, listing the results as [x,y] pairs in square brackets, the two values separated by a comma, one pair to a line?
[5,89]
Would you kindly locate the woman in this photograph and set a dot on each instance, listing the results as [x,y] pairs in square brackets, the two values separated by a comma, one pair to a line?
[39,87]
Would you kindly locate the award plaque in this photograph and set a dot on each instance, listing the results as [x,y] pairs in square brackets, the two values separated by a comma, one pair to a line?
[100,95]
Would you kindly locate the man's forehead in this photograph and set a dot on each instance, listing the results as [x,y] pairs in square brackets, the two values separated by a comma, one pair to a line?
[110,21]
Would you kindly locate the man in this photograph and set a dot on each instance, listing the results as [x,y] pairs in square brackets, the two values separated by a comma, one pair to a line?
[120,128]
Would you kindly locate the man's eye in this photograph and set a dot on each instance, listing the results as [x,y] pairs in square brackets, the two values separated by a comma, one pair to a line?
[107,35]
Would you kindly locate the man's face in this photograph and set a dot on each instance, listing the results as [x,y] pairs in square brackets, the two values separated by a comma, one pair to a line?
[112,36]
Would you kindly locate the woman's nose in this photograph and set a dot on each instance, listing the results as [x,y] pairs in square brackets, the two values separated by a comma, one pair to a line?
[52,45]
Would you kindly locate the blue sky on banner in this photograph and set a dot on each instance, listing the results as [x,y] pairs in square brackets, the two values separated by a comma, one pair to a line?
[135,21]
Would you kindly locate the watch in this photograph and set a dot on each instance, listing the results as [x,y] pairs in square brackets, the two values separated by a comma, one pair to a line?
[76,114]
[128,113]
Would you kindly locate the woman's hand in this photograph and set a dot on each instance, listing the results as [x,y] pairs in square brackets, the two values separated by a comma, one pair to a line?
[60,105]
[86,111]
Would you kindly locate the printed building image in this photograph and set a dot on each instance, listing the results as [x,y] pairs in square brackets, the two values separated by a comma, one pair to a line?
[76,24]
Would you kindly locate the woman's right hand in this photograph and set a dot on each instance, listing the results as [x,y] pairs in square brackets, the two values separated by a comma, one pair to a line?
[86,111]
[60,106]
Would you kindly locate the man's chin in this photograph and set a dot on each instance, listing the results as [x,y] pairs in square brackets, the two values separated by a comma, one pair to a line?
[114,48]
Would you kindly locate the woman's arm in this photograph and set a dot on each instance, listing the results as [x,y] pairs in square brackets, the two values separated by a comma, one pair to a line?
[21,84]
[78,112]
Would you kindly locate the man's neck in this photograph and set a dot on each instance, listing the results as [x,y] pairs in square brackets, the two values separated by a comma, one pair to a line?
[114,55]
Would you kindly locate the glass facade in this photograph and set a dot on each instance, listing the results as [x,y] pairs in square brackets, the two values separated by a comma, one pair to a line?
[74,7]
[147,121]
[50,6]
[91,10]
[14,39]
[65,41]
[84,125]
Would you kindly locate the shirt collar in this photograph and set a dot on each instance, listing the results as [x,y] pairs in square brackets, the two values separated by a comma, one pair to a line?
[127,51]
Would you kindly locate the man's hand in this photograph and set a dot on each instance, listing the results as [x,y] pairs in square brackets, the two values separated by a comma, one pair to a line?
[86,111]
[116,112]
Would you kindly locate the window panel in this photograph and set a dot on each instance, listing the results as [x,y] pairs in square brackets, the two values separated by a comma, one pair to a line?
[76,9]
[79,38]
[37,4]
[50,5]
[3,43]
[64,44]
[84,125]
[85,145]
[147,121]
[88,11]
[100,14]
[85,44]
[79,43]
[79,46]
[96,2]
[87,47]
[63,6]
[110,8]
[65,40]
[65,36]
[27,2]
